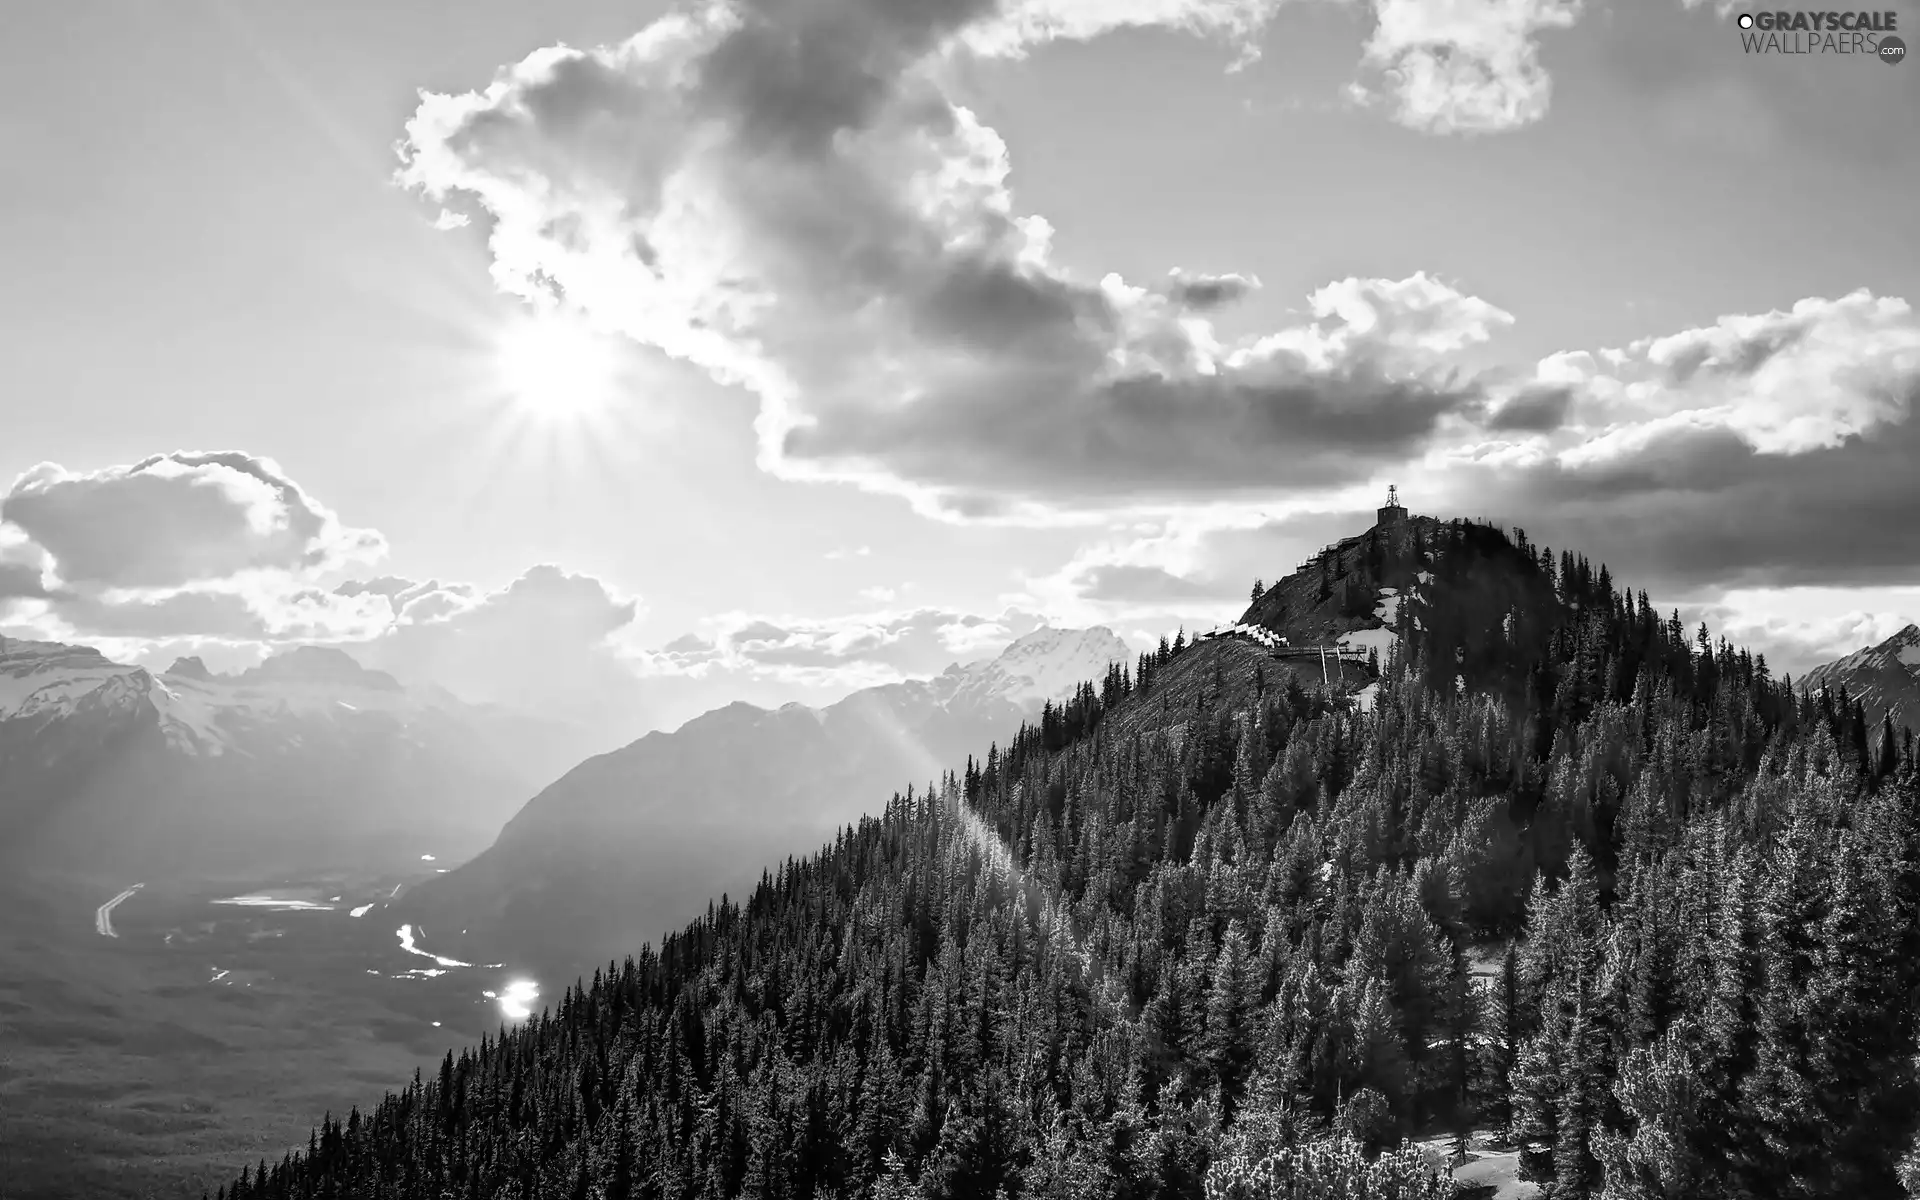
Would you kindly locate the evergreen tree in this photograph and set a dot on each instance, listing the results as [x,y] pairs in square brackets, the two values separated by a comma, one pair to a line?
[1192,932]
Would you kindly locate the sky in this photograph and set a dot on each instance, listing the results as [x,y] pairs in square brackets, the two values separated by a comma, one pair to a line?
[622,360]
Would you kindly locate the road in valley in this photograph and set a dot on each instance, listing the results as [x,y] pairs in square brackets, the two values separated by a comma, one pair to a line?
[103,916]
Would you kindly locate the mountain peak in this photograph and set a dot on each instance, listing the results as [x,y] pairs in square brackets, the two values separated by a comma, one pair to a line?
[1049,663]
[1048,639]
[318,664]
[189,667]
[1885,678]
[23,654]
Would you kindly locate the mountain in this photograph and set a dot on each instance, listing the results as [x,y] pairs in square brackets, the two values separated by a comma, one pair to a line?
[1206,933]
[306,759]
[633,841]
[1884,678]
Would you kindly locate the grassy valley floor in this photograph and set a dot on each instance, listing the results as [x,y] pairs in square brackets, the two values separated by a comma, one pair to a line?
[204,1036]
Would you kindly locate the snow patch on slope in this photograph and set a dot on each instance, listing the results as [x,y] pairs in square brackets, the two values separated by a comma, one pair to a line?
[1388,610]
[1363,640]
[1382,639]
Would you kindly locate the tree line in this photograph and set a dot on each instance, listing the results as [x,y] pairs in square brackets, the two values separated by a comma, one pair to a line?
[1605,888]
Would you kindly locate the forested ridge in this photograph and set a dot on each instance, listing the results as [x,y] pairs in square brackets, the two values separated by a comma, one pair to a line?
[1576,875]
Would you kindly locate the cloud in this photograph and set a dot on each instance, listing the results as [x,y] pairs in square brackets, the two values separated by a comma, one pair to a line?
[1196,569]
[22,568]
[176,519]
[560,644]
[842,653]
[1801,628]
[1462,66]
[1133,583]
[1012,28]
[225,551]
[254,610]
[1539,408]
[790,198]
[1769,449]
[1757,452]
[222,547]
[389,586]
[1202,292]
[20,579]
[542,642]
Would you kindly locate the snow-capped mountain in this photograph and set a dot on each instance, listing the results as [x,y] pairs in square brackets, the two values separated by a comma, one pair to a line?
[1884,678]
[197,712]
[308,757]
[1046,664]
[632,842]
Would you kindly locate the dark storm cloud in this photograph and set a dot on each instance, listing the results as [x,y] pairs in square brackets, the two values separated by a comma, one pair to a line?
[1148,437]
[1766,449]
[1705,509]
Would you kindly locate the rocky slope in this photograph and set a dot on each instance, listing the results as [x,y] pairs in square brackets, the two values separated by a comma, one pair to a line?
[1884,678]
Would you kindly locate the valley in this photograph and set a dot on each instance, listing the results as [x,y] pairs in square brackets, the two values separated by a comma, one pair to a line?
[194,1026]
[207,1021]
[1060,600]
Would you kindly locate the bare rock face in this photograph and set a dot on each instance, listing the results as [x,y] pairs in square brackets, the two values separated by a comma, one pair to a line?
[1884,678]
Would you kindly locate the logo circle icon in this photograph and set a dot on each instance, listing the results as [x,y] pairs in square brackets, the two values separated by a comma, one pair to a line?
[1746,21]
[1892,49]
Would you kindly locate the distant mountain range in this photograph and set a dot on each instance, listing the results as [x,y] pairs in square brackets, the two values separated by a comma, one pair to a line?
[308,759]
[637,841]
[1205,877]
[1884,678]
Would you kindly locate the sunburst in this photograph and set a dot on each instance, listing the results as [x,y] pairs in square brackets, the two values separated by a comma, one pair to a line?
[555,370]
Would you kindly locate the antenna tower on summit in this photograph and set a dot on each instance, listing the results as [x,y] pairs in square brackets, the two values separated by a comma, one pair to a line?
[1392,517]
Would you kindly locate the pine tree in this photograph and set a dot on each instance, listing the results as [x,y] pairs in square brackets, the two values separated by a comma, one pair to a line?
[1213,940]
[1230,1002]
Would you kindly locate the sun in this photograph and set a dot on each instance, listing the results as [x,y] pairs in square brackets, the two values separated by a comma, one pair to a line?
[555,369]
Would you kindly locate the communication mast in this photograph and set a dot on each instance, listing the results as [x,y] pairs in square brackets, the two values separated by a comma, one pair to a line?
[1391,515]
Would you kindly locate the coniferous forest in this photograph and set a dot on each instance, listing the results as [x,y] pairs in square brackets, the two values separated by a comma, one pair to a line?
[1577,874]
